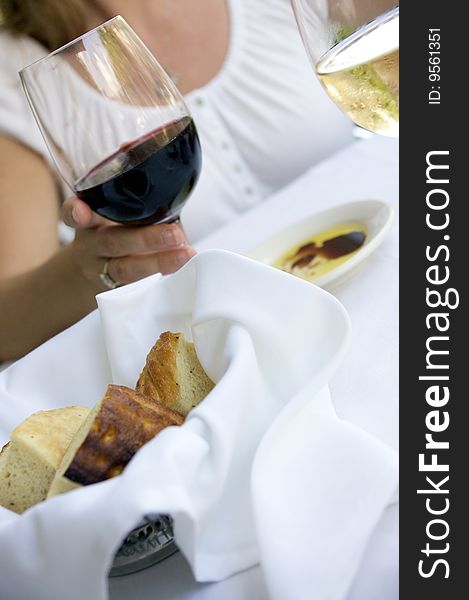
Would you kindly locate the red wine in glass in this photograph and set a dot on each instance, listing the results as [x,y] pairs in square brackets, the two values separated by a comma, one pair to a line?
[118,129]
[148,180]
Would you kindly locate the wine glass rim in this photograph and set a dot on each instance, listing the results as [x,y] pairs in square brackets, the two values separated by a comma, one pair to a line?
[68,44]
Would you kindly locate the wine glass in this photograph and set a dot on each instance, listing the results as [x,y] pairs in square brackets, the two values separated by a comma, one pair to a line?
[354,48]
[116,126]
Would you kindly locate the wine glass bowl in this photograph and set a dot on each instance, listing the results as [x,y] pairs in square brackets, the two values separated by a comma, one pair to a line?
[118,130]
[354,48]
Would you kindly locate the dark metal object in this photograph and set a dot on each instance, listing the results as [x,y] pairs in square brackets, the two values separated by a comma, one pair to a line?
[146,545]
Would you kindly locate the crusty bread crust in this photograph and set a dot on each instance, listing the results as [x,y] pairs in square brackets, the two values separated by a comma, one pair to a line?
[173,374]
[125,422]
[4,451]
[159,379]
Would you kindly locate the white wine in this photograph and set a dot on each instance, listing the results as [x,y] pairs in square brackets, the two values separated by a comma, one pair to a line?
[361,74]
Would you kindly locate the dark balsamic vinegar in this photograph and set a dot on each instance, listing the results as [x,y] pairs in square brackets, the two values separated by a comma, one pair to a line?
[148,180]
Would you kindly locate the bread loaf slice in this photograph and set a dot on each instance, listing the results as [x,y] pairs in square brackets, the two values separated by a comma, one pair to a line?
[121,423]
[173,374]
[29,461]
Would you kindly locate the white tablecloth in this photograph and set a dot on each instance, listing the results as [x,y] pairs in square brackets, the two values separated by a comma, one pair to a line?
[364,391]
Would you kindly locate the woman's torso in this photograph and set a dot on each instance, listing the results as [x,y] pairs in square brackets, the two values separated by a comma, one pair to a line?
[262,120]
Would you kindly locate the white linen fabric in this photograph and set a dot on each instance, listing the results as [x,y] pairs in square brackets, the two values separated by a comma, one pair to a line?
[365,390]
[368,169]
[262,121]
[261,467]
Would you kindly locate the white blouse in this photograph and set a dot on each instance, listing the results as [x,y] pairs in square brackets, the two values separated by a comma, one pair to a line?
[262,120]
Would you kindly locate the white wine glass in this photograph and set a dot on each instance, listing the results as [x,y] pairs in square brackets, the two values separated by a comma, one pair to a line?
[116,126]
[354,48]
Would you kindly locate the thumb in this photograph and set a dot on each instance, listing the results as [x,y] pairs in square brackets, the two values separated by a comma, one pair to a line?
[78,214]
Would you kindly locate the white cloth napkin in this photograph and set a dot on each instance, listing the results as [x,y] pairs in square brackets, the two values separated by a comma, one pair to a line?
[261,472]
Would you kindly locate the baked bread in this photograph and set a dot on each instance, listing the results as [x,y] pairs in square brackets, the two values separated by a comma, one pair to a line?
[173,374]
[29,461]
[121,423]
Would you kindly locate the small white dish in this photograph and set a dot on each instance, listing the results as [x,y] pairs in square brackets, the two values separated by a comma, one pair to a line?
[376,215]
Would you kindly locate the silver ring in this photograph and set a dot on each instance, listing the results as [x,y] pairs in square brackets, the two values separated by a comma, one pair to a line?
[106,278]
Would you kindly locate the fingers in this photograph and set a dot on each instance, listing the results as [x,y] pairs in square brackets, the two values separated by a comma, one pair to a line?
[128,269]
[113,242]
[131,252]
[78,214]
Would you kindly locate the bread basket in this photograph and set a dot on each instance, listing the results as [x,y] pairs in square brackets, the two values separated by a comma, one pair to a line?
[149,543]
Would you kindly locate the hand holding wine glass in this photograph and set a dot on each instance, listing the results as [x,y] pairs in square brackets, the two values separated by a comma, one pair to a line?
[122,139]
[130,252]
